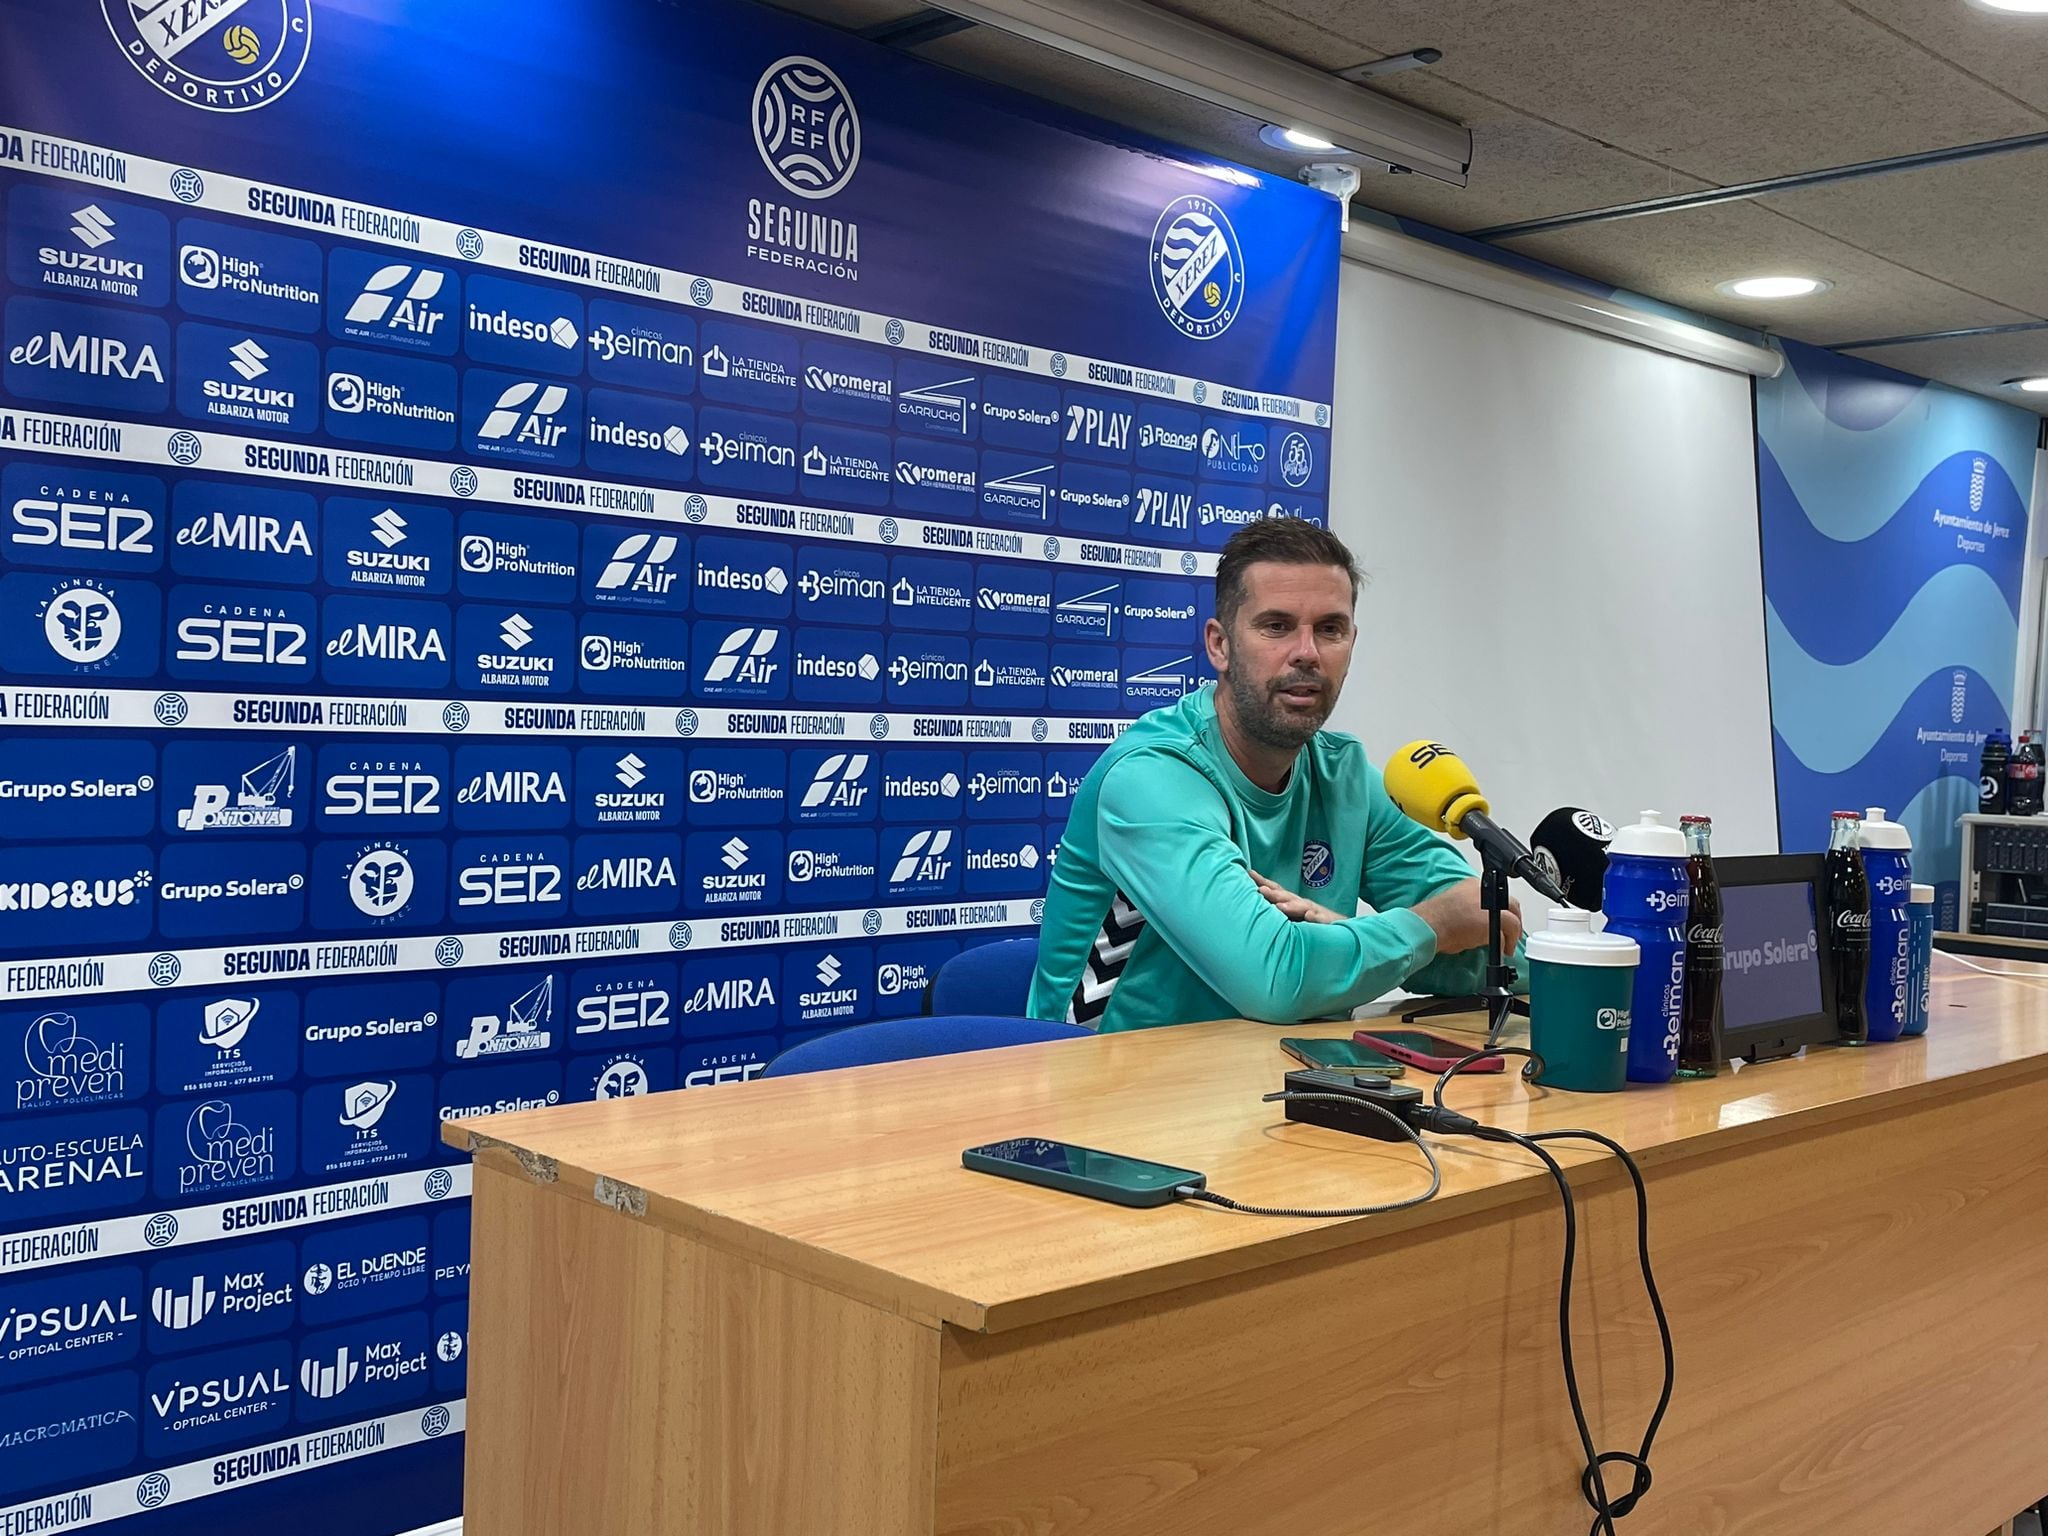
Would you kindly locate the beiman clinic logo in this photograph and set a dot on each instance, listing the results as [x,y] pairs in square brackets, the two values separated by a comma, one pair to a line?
[806,127]
[217,55]
[1197,268]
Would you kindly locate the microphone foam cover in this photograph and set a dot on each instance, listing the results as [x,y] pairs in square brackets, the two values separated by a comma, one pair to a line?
[1572,845]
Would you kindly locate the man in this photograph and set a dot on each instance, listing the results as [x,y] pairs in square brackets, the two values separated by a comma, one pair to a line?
[1161,910]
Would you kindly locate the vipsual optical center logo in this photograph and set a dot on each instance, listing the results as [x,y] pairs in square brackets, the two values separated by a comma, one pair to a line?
[806,127]
[217,55]
[1197,268]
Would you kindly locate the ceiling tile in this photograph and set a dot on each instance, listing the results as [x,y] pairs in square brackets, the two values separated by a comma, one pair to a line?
[1979,363]
[2009,52]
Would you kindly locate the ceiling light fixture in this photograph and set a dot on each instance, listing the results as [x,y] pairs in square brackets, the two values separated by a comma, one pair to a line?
[1785,287]
[2033,386]
[1147,42]
[2013,7]
[1297,141]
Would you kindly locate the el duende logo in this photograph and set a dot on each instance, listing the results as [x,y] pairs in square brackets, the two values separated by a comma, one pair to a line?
[218,55]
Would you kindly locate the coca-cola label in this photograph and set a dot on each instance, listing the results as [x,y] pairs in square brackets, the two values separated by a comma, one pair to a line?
[1701,936]
[2019,768]
[1852,924]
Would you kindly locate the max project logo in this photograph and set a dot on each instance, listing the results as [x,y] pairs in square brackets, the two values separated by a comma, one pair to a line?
[1197,268]
[227,56]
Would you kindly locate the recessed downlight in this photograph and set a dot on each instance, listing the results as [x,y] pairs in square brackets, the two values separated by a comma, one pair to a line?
[2033,386]
[1780,286]
[1296,140]
[2013,7]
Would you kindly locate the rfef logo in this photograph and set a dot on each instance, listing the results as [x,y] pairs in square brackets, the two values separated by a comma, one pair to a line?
[806,127]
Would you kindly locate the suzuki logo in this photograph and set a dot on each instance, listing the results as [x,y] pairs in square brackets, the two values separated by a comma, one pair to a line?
[632,770]
[248,359]
[734,852]
[516,632]
[94,229]
[388,528]
[828,971]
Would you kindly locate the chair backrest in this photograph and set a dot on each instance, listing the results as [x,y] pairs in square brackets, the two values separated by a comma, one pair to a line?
[989,978]
[908,1039]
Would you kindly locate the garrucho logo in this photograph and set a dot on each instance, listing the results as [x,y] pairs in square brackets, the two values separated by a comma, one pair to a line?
[1197,268]
[218,55]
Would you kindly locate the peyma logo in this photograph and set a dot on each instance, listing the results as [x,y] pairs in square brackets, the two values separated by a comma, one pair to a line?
[806,127]
[1197,268]
[218,55]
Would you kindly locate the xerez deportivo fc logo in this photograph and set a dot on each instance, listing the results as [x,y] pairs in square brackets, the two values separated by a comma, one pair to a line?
[229,56]
[806,127]
[1197,268]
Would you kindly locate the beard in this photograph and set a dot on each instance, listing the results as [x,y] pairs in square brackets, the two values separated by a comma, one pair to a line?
[1269,719]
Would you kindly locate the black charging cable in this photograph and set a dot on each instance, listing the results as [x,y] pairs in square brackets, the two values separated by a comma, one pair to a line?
[1448,1122]
[1436,1172]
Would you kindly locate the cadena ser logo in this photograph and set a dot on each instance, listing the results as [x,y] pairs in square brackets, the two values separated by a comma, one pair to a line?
[217,55]
[1197,268]
[806,127]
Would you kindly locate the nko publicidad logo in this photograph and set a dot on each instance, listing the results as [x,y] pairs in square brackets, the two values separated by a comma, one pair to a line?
[227,56]
[1197,267]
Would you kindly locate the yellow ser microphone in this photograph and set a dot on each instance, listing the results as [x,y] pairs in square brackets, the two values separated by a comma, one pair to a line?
[1432,785]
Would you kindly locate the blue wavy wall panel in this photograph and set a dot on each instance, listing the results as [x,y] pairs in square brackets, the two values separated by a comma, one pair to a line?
[1894,539]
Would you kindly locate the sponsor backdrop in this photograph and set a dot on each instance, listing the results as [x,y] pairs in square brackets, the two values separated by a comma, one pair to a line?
[546,552]
[1894,536]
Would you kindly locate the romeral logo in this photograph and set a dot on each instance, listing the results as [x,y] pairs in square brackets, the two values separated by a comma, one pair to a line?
[181,48]
[224,1152]
[844,385]
[525,1023]
[400,298]
[261,801]
[924,860]
[934,477]
[81,519]
[67,1067]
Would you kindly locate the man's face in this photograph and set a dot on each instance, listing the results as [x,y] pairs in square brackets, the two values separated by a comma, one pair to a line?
[1285,655]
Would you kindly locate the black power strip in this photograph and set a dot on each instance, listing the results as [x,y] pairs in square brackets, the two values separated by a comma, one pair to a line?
[1357,1103]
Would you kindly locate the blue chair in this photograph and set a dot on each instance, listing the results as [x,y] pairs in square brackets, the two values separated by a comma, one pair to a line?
[989,978]
[908,1039]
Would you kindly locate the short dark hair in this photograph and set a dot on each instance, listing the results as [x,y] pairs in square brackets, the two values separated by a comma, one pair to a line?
[1281,541]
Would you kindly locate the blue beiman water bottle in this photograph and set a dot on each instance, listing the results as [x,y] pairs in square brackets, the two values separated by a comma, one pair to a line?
[1888,865]
[1920,940]
[1646,897]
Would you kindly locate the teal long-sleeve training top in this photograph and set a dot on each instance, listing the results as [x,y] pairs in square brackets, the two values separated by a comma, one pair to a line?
[1152,917]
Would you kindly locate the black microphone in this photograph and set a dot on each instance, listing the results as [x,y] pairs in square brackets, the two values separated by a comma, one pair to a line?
[1571,845]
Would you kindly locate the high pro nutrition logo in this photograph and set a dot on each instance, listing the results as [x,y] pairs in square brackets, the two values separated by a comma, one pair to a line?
[218,55]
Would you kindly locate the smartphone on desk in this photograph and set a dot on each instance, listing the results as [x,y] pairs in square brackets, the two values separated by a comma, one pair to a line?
[1419,1048]
[1342,1056]
[1082,1171]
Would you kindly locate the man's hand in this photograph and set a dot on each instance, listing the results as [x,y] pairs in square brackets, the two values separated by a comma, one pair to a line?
[1461,922]
[1298,908]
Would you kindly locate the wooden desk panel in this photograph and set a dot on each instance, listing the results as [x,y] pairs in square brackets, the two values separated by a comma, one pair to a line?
[783,1308]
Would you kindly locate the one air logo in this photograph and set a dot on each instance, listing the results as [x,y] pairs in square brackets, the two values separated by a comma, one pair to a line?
[640,566]
[924,858]
[388,528]
[248,359]
[514,418]
[836,785]
[743,658]
[400,298]
[733,853]
[93,228]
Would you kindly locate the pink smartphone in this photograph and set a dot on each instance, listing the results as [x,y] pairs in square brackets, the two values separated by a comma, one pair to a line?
[1419,1048]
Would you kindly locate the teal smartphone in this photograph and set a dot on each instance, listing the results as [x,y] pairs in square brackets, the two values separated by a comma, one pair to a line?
[1082,1171]
[1342,1056]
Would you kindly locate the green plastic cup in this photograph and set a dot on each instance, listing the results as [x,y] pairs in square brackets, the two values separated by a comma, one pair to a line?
[1579,988]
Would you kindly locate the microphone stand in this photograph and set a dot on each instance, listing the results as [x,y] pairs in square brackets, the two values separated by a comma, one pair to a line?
[1497,997]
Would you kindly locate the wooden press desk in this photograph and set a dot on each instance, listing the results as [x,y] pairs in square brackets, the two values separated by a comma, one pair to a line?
[782,1308]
